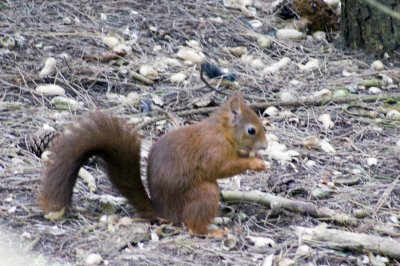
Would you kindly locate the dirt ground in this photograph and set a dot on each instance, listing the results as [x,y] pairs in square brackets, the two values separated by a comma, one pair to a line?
[358,173]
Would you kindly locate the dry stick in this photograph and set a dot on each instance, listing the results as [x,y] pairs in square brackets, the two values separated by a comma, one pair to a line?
[384,196]
[301,207]
[384,8]
[339,239]
[300,102]
[208,84]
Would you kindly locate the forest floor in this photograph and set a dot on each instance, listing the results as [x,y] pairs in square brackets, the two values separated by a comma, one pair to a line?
[356,171]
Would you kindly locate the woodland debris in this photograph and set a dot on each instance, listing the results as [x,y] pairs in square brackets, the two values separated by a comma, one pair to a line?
[88,179]
[326,146]
[148,72]
[311,65]
[229,243]
[190,55]
[307,101]
[279,152]
[65,103]
[261,242]
[93,259]
[289,34]
[323,94]
[54,216]
[110,41]
[277,202]
[7,42]
[393,115]
[50,90]
[377,65]
[304,251]
[275,67]
[237,51]
[141,78]
[344,240]
[326,120]
[178,77]
[264,41]
[319,35]
[374,90]
[49,67]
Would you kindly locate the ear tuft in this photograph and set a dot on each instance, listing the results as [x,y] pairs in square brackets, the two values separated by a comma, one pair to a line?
[236,102]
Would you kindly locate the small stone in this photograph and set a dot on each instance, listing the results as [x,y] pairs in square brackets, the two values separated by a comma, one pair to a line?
[64,103]
[237,51]
[319,35]
[304,251]
[289,34]
[50,90]
[393,115]
[148,72]
[311,142]
[374,90]
[229,243]
[67,20]
[255,23]
[49,67]
[321,193]
[310,163]
[178,77]
[361,213]
[271,111]
[93,259]
[264,42]
[285,262]
[372,161]
[324,93]
[109,219]
[125,221]
[377,65]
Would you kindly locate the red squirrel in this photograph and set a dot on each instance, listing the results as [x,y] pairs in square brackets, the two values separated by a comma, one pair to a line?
[183,165]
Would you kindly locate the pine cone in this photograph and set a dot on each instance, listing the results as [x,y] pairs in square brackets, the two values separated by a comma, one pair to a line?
[281,185]
[40,141]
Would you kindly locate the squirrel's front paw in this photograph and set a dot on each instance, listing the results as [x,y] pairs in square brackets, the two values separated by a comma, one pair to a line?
[257,164]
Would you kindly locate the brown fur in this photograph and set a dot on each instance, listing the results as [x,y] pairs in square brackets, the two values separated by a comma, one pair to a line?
[183,165]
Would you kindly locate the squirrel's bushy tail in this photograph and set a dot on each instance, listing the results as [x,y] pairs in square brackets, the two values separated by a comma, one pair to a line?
[107,137]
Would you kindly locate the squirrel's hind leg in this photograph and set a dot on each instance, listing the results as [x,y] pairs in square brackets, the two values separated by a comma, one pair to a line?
[201,206]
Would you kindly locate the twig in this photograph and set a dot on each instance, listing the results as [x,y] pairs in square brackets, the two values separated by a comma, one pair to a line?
[343,240]
[141,78]
[208,84]
[383,8]
[384,196]
[274,201]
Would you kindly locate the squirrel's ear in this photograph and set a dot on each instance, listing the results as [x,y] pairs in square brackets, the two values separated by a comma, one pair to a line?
[235,103]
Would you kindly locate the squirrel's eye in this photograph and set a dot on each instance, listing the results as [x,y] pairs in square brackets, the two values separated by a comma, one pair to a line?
[251,130]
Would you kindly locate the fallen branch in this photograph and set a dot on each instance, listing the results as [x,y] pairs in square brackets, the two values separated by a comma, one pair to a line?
[338,239]
[301,207]
[305,101]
